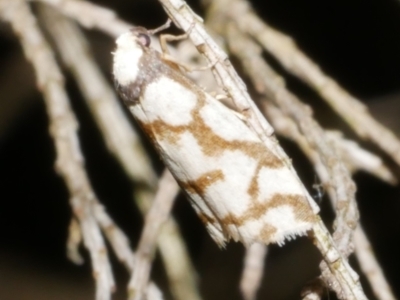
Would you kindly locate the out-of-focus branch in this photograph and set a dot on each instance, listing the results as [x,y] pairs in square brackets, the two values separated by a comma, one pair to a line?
[155,218]
[370,266]
[271,85]
[253,270]
[286,127]
[296,62]
[63,126]
[120,138]
[123,142]
[90,15]
[357,158]
[184,17]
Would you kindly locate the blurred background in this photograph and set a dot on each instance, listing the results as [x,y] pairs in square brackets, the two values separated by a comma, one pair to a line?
[356,42]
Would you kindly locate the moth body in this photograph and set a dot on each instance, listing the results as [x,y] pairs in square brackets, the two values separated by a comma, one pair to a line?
[239,187]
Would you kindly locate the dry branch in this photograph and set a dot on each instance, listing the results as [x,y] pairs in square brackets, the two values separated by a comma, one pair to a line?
[155,218]
[184,18]
[120,138]
[296,62]
[63,126]
[331,154]
[123,142]
[253,270]
[90,15]
[370,266]
[270,84]
[318,145]
[287,128]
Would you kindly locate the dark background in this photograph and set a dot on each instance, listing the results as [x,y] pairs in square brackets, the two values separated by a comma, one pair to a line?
[355,42]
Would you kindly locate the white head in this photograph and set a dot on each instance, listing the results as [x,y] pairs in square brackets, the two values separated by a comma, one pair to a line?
[127,55]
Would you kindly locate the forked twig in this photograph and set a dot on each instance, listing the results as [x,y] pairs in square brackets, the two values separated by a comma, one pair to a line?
[296,62]
[286,127]
[123,142]
[184,17]
[63,126]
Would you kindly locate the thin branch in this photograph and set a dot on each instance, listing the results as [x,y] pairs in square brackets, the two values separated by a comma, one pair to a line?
[155,218]
[74,241]
[297,63]
[267,82]
[354,157]
[286,127]
[120,138]
[253,270]
[63,126]
[270,84]
[357,158]
[90,15]
[371,267]
[123,142]
[184,17]
[118,240]
[188,21]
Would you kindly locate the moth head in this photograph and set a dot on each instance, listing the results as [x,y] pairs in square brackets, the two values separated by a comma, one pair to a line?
[134,38]
[130,48]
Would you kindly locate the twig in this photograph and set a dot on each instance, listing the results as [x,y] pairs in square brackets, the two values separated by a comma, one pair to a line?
[253,270]
[123,142]
[90,15]
[118,240]
[357,158]
[74,241]
[120,138]
[268,83]
[183,16]
[155,218]
[188,21]
[180,271]
[370,266]
[63,126]
[286,127]
[296,62]
[354,154]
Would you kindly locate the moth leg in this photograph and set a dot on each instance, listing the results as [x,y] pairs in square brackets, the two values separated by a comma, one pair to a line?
[161,28]
[224,98]
[165,38]
[227,101]
[187,67]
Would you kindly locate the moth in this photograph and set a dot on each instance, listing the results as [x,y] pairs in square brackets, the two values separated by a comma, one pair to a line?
[239,188]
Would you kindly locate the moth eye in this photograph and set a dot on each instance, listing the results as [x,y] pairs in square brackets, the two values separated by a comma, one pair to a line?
[144,39]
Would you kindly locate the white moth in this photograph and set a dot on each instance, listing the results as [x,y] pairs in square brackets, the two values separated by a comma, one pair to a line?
[238,187]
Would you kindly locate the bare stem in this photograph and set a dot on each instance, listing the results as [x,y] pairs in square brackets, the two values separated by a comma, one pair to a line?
[253,270]
[155,218]
[123,142]
[63,126]
[370,266]
[268,83]
[90,15]
[296,62]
